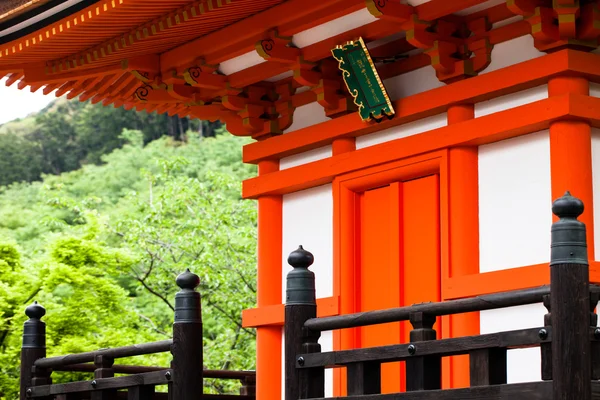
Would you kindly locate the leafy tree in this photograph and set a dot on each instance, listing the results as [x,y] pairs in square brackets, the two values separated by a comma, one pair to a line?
[20,159]
[95,243]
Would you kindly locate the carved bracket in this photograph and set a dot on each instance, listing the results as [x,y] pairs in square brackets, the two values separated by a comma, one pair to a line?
[559,24]
[453,54]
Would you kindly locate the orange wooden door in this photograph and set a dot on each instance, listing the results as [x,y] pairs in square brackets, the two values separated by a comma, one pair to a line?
[398,260]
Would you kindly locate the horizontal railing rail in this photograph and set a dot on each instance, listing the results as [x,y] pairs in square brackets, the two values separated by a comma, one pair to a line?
[117,352]
[479,303]
[139,369]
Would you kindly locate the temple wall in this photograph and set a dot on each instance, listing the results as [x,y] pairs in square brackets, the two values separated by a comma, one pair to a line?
[308,221]
[514,227]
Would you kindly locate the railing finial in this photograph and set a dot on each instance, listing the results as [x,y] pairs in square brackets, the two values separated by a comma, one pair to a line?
[187,280]
[568,234]
[35,311]
[300,281]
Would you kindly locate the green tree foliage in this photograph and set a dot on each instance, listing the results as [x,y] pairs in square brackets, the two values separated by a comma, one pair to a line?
[100,248]
[68,134]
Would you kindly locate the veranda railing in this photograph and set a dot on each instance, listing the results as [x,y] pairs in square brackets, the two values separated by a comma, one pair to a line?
[184,378]
[568,338]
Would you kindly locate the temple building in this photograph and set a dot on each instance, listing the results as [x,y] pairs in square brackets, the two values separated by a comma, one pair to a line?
[423,173]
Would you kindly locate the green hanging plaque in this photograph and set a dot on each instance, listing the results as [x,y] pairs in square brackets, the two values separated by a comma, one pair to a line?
[363,81]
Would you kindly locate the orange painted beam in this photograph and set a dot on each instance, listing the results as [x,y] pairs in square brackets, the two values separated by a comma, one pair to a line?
[480,88]
[488,129]
[505,280]
[274,315]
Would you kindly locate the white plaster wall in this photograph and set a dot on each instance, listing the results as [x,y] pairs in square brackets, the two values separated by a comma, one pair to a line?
[413,82]
[240,63]
[305,158]
[513,52]
[479,7]
[307,115]
[523,365]
[514,231]
[332,28]
[401,131]
[511,100]
[308,221]
[594,89]
[596,188]
[515,202]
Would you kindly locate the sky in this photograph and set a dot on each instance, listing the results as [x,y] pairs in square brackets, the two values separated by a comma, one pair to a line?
[15,103]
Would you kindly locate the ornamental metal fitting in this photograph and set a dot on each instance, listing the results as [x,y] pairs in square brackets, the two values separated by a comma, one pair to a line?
[568,234]
[300,286]
[34,329]
[187,300]
[94,383]
[543,334]
[597,334]
[301,361]
[412,349]
[168,375]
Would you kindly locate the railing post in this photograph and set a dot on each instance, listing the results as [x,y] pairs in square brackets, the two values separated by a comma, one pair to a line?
[422,372]
[187,340]
[570,303]
[34,345]
[301,305]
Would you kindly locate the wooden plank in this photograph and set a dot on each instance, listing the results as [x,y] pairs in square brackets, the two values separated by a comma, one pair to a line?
[488,367]
[518,391]
[444,347]
[140,393]
[123,382]
[364,378]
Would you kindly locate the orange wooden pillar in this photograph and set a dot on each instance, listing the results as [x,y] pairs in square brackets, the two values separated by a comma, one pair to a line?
[463,199]
[268,338]
[571,154]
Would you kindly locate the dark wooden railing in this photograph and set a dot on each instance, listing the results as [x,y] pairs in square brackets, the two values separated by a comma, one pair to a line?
[184,378]
[568,339]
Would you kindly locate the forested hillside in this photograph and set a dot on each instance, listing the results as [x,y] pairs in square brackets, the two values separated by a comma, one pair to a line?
[68,134]
[100,246]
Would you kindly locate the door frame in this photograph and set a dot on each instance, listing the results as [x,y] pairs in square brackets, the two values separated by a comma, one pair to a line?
[345,213]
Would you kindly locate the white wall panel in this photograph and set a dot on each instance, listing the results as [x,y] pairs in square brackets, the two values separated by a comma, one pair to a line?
[523,365]
[515,202]
[334,27]
[513,52]
[239,63]
[307,115]
[596,189]
[413,82]
[594,89]
[401,131]
[305,158]
[308,221]
[511,100]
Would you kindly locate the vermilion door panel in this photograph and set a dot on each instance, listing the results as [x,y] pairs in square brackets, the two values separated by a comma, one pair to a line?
[398,259]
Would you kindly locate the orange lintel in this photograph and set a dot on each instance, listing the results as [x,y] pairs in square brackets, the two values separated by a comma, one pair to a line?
[504,280]
[479,88]
[274,315]
[491,128]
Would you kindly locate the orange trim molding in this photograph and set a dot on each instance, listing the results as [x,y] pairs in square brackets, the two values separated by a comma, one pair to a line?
[275,315]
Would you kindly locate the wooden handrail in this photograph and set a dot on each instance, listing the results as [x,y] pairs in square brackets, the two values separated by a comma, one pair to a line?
[479,303]
[117,352]
[140,369]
